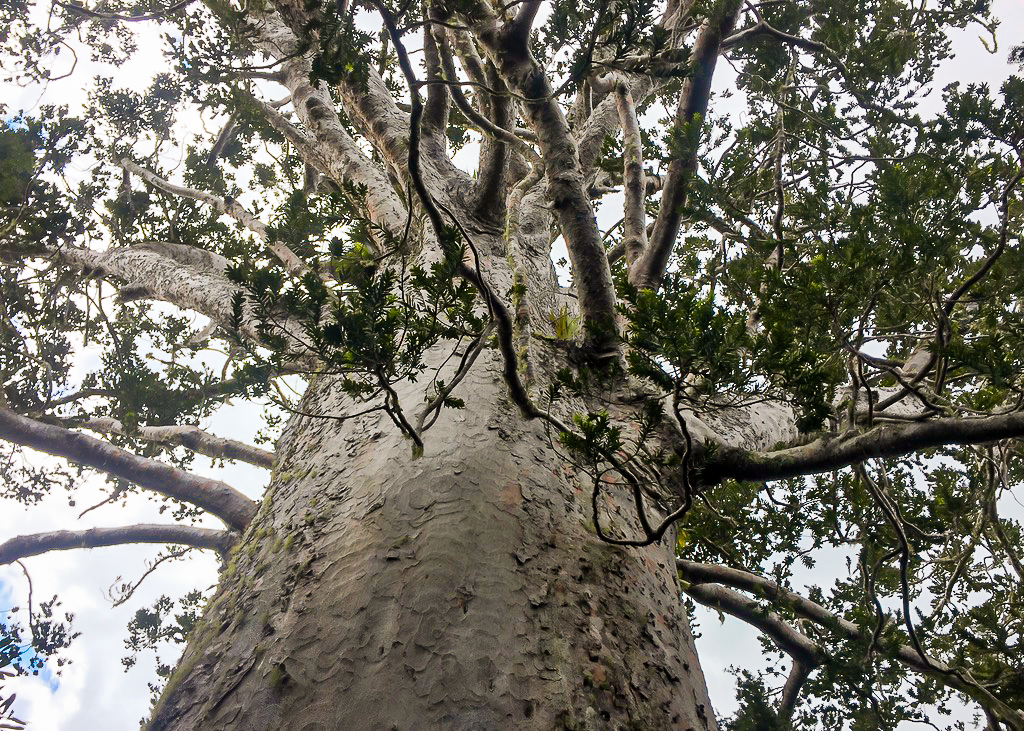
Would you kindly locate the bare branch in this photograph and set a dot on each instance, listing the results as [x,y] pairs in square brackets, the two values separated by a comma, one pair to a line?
[699,574]
[519,29]
[634,235]
[229,207]
[798,675]
[566,184]
[188,436]
[802,649]
[214,496]
[438,104]
[89,13]
[834,450]
[64,540]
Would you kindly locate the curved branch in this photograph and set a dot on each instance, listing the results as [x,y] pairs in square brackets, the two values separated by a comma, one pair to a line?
[214,496]
[835,450]
[64,540]
[188,436]
[801,648]
[698,574]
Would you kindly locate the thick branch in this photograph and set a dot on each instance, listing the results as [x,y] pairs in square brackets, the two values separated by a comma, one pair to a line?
[63,540]
[146,267]
[566,188]
[366,98]
[693,106]
[214,496]
[788,639]
[834,450]
[191,437]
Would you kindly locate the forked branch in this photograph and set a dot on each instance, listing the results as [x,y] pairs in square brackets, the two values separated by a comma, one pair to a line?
[699,576]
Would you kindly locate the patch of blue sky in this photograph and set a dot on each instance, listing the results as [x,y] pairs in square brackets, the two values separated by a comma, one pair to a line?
[9,600]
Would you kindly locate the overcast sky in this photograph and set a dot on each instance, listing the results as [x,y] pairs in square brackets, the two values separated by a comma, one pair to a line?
[94,692]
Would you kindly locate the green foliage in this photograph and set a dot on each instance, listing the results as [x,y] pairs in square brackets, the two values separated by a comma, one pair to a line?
[49,635]
[827,226]
[691,347]
[757,709]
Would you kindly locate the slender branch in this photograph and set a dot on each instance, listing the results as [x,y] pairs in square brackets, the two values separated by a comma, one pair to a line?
[127,591]
[634,234]
[367,101]
[834,450]
[88,12]
[229,207]
[64,540]
[698,574]
[188,436]
[214,496]
[438,104]
[483,124]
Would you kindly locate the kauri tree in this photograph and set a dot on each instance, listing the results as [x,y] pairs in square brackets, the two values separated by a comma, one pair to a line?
[789,323]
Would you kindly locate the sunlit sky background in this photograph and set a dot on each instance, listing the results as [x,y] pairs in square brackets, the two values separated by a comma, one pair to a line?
[94,691]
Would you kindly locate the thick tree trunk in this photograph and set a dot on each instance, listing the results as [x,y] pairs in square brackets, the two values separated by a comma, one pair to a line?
[464,589]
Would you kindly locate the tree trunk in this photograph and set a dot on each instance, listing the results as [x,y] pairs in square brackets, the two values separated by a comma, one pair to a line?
[464,589]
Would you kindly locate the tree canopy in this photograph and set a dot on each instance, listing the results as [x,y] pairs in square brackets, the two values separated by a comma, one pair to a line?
[787,325]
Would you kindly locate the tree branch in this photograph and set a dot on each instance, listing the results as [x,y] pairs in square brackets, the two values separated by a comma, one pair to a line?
[566,184]
[693,105]
[89,13]
[331,150]
[634,233]
[214,496]
[801,648]
[188,436]
[229,207]
[146,266]
[834,450]
[185,535]
[698,574]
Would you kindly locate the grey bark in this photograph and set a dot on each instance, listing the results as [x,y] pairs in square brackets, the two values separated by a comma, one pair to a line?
[460,590]
[64,540]
[191,437]
[214,496]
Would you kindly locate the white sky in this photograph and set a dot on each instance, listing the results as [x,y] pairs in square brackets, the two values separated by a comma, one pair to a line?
[94,692]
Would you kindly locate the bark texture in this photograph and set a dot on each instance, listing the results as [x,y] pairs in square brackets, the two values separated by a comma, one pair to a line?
[465,589]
